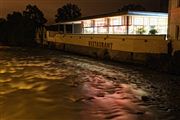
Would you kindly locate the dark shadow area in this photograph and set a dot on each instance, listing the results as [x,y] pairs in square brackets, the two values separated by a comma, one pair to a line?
[19,29]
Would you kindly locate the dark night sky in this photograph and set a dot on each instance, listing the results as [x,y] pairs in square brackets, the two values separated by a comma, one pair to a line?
[88,7]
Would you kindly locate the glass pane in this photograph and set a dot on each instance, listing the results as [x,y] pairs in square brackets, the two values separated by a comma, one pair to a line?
[138,20]
[87,23]
[146,21]
[116,21]
[101,22]
[117,30]
[102,30]
[162,21]
[153,21]
[88,30]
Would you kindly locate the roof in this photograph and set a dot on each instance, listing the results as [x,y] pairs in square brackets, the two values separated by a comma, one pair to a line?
[142,13]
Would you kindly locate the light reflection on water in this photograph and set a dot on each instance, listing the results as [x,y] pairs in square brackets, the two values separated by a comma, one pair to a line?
[55,87]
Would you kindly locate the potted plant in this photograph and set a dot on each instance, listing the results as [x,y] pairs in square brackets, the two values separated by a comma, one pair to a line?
[141,30]
[153,31]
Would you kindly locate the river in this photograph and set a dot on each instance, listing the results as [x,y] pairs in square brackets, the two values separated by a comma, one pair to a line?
[39,84]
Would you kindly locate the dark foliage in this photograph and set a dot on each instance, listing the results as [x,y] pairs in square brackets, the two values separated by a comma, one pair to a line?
[132,7]
[3,28]
[19,28]
[33,13]
[68,12]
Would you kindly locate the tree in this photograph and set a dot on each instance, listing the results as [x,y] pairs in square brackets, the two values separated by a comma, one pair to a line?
[15,17]
[20,28]
[33,13]
[35,19]
[68,12]
[15,28]
[2,30]
[132,7]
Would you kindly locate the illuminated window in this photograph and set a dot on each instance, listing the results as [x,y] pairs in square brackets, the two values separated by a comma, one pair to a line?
[129,20]
[88,30]
[153,21]
[101,22]
[177,34]
[131,30]
[124,21]
[116,21]
[117,30]
[138,21]
[162,21]
[102,30]
[87,23]
[140,30]
[111,30]
[162,30]
[146,21]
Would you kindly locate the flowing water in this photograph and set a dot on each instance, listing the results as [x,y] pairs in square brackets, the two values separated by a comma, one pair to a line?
[37,84]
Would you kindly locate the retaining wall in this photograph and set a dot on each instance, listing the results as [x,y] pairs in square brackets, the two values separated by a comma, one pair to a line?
[142,49]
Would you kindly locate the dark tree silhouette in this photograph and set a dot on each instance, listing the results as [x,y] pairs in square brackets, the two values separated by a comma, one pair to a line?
[15,17]
[3,32]
[15,28]
[68,12]
[132,7]
[35,19]
[33,13]
[20,28]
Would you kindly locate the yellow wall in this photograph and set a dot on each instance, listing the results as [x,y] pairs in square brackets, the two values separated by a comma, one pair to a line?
[176,45]
[130,43]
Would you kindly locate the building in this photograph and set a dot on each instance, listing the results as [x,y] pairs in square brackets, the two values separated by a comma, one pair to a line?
[174,23]
[131,22]
[114,36]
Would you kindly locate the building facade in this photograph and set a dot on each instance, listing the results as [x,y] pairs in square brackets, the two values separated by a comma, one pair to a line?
[174,23]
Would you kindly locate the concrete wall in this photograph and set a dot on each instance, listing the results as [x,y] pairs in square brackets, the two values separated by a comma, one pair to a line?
[146,50]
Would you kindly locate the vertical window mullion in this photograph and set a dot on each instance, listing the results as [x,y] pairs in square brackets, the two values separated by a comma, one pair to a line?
[177,32]
[178,3]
